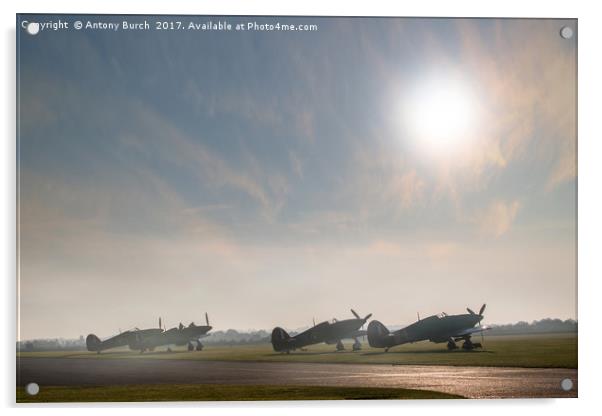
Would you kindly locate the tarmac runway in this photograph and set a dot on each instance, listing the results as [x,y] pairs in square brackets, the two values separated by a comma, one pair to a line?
[473,382]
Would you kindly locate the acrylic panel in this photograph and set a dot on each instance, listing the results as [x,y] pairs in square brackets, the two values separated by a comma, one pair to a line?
[295,208]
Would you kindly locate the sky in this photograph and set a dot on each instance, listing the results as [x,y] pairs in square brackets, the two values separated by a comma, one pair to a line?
[393,166]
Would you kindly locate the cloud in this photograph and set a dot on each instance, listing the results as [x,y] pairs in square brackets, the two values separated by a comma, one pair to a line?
[235,185]
[162,138]
[408,188]
[498,217]
[526,74]
[439,251]
[238,103]
[564,170]
[296,164]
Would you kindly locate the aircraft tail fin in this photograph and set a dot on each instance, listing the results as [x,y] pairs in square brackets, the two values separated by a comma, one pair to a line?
[279,338]
[93,343]
[378,335]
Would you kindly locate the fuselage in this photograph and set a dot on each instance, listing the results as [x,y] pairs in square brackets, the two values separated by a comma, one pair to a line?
[436,328]
[328,332]
[173,336]
[93,343]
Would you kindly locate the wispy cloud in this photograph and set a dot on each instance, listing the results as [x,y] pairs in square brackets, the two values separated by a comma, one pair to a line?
[497,219]
[159,175]
[530,113]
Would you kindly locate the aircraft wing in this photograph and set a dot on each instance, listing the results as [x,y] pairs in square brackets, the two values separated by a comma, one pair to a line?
[118,340]
[356,334]
[314,333]
[472,330]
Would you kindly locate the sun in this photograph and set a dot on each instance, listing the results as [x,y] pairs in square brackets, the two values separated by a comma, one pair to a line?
[440,115]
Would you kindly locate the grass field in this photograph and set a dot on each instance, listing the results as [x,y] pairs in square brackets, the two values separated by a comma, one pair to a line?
[215,392]
[548,350]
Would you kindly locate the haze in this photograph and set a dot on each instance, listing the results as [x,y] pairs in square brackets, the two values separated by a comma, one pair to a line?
[271,178]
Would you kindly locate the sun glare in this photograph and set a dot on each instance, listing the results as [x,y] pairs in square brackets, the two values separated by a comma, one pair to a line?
[440,116]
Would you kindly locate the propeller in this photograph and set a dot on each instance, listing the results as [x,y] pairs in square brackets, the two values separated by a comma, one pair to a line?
[481,315]
[470,311]
[207,319]
[358,317]
[160,323]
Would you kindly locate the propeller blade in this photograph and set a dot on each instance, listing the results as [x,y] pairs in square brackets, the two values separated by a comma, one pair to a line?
[207,319]
[355,314]
[482,337]
[159,322]
[482,309]
[314,321]
[470,311]
[367,317]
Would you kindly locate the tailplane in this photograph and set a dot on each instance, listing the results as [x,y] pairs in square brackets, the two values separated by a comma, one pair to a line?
[93,343]
[378,335]
[279,338]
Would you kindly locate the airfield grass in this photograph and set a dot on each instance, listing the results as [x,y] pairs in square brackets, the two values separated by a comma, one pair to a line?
[216,392]
[544,351]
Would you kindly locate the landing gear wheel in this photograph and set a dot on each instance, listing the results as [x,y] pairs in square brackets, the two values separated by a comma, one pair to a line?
[357,345]
[340,346]
[451,345]
[199,346]
[468,345]
[190,346]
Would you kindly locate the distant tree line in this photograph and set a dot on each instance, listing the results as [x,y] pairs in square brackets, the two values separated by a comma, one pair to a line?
[51,344]
[233,337]
[535,327]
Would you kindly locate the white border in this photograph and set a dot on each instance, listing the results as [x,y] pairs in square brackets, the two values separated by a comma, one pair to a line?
[590,202]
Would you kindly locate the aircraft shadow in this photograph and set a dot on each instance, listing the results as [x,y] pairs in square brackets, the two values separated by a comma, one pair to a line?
[310,353]
[428,352]
[129,353]
[92,353]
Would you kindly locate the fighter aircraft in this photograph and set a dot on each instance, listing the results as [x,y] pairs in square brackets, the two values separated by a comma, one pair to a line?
[93,343]
[328,332]
[437,328]
[181,335]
